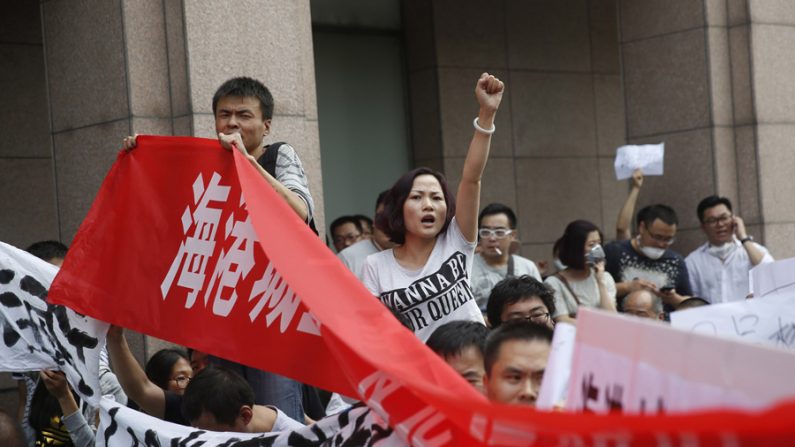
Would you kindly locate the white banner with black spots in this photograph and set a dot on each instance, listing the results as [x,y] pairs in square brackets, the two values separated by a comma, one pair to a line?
[121,426]
[39,335]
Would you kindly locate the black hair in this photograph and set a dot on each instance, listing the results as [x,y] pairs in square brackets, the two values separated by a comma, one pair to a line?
[218,390]
[243,87]
[381,199]
[649,214]
[514,289]
[498,208]
[452,338]
[710,202]
[48,250]
[513,330]
[692,302]
[158,368]
[391,222]
[44,406]
[342,220]
[572,244]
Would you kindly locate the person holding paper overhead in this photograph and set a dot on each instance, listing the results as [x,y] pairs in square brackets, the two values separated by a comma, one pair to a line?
[719,268]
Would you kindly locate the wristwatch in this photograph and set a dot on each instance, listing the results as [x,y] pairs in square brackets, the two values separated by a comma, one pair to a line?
[746,239]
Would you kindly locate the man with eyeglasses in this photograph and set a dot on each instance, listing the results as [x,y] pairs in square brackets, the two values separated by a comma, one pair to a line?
[494,261]
[521,298]
[719,268]
[345,231]
[647,262]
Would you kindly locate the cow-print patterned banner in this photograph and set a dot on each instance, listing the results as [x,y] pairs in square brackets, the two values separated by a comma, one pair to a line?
[39,335]
[358,426]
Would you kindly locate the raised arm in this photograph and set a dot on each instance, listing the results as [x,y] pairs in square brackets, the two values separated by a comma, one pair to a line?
[150,397]
[624,220]
[488,92]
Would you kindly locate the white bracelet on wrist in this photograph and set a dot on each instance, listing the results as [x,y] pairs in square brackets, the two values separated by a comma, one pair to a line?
[482,130]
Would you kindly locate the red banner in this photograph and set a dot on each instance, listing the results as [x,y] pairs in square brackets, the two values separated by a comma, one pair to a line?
[189,243]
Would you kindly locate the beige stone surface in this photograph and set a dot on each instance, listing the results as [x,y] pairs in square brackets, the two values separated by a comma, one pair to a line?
[24,115]
[20,23]
[152,126]
[776,167]
[29,214]
[426,137]
[459,107]
[613,193]
[610,119]
[468,35]
[742,90]
[725,164]
[177,60]
[688,174]
[780,239]
[717,12]
[274,55]
[737,12]
[547,35]
[554,192]
[605,51]
[772,11]
[498,184]
[147,59]
[646,18]
[553,114]
[666,83]
[537,253]
[748,174]
[689,239]
[773,65]
[720,76]
[87,73]
[182,126]
[82,159]
[306,53]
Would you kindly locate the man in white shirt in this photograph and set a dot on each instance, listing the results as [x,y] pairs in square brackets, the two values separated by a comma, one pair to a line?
[718,269]
[354,256]
[494,262]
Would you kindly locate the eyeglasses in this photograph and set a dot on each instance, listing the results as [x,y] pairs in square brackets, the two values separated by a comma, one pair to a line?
[499,233]
[720,220]
[181,381]
[537,317]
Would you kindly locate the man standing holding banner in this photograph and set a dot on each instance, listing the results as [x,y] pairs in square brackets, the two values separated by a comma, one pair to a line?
[719,268]
[243,109]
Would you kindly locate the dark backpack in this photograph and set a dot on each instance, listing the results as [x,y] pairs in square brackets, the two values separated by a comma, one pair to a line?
[268,163]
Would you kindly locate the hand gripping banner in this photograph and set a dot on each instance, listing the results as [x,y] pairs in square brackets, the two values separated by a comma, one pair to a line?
[187,242]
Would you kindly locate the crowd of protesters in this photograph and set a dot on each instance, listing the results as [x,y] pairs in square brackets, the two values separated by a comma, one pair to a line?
[496,309]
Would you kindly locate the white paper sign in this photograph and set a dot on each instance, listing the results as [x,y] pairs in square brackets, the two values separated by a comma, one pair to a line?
[773,277]
[648,158]
[556,376]
[635,365]
[769,320]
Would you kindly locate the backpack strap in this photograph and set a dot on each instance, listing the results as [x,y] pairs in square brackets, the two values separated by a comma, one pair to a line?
[268,162]
[511,267]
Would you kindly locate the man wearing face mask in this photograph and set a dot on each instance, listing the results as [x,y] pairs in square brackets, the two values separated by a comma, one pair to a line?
[647,262]
[719,268]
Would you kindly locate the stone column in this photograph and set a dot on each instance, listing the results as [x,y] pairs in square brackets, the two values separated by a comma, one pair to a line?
[712,78]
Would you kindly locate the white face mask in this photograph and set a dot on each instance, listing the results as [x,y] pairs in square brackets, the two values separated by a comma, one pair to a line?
[652,253]
[722,251]
[559,265]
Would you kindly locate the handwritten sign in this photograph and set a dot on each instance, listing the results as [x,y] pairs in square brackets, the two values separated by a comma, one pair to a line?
[556,376]
[773,277]
[769,320]
[639,366]
[648,158]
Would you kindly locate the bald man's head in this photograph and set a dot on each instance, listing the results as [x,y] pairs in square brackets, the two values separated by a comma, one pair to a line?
[645,304]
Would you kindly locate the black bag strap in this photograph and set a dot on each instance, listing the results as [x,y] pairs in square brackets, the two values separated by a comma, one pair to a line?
[566,283]
[510,267]
[268,162]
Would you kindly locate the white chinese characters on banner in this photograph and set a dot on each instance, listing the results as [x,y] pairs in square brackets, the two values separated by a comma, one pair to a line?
[633,365]
[39,335]
[233,248]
